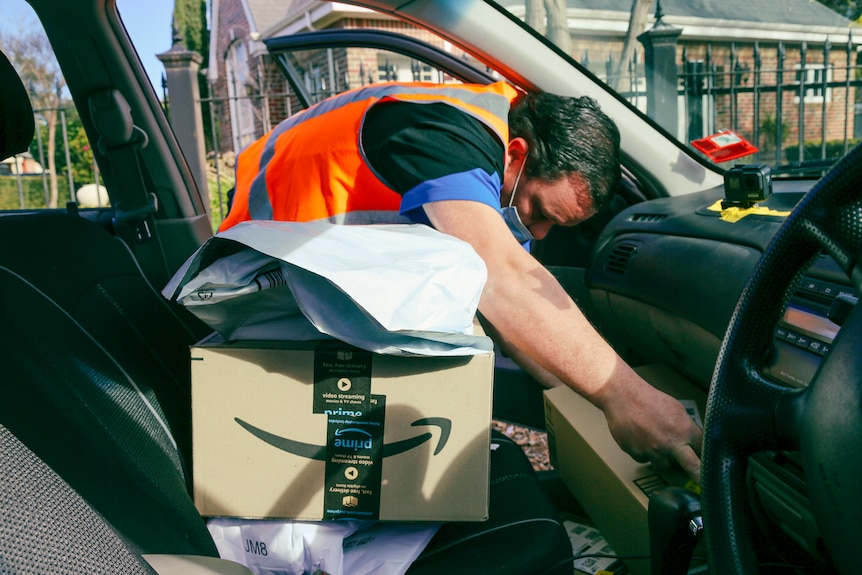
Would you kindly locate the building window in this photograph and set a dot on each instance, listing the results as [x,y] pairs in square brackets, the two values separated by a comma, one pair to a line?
[814,79]
[393,67]
[240,89]
[424,73]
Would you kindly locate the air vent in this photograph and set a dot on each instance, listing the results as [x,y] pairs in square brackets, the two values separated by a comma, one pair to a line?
[648,218]
[619,257]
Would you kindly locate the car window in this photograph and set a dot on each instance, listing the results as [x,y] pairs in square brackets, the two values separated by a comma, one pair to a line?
[764,91]
[318,65]
[779,89]
[251,95]
[58,167]
[326,72]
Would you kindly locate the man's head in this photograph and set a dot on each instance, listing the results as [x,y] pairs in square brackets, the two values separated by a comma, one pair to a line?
[567,139]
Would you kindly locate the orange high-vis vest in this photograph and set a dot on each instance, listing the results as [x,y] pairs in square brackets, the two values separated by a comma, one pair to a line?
[312,166]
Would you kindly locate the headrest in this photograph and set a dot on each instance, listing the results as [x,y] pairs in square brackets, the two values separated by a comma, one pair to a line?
[17,125]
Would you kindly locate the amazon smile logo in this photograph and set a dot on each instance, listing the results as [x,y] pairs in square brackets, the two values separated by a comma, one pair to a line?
[318,452]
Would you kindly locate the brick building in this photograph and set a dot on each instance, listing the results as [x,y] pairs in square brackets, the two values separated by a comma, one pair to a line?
[735,53]
[251,92]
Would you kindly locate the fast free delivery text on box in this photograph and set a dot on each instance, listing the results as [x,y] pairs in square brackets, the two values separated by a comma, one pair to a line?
[322,430]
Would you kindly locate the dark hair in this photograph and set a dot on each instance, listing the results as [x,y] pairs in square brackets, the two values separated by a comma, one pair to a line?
[568,135]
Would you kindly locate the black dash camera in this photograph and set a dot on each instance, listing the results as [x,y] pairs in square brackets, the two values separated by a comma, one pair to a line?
[747,184]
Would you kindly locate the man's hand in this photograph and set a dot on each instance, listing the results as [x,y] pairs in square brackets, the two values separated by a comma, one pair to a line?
[533,315]
[652,426]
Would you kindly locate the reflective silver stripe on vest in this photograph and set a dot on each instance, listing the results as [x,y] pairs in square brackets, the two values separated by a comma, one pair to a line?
[259,205]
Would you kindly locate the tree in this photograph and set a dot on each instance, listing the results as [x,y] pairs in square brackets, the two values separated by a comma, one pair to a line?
[535,15]
[637,24]
[850,9]
[83,163]
[558,25]
[32,56]
[190,23]
[190,17]
[548,17]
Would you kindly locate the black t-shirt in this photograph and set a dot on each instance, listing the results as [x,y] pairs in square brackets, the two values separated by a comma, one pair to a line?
[407,144]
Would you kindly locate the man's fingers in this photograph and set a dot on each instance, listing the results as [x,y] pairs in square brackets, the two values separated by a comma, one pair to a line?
[688,460]
[697,440]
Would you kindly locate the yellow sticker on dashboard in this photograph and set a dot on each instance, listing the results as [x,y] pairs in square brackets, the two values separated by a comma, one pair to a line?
[733,214]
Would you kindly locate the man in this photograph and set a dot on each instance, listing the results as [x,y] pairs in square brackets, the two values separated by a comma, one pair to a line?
[458,157]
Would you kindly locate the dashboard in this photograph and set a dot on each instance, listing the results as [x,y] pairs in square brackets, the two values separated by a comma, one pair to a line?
[810,323]
[666,274]
[803,337]
[665,277]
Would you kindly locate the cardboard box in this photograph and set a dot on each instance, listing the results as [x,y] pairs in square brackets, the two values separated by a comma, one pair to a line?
[612,488]
[320,430]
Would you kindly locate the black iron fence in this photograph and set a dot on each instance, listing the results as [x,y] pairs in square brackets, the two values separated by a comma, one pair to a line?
[800,103]
[793,102]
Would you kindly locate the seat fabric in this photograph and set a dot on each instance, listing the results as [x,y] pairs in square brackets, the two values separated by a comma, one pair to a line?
[105,434]
[45,527]
[93,276]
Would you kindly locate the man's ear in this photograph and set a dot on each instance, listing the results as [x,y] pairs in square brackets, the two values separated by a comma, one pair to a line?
[516,150]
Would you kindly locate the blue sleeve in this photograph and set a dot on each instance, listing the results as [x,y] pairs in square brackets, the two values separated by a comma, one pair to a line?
[476,185]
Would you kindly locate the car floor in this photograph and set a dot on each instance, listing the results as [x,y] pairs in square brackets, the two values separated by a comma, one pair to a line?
[534,442]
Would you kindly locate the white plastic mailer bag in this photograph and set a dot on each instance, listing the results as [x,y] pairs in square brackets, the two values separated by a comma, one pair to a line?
[282,547]
[386,548]
[274,547]
[401,289]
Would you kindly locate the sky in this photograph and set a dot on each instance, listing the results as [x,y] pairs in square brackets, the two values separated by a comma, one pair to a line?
[147,21]
[149,25]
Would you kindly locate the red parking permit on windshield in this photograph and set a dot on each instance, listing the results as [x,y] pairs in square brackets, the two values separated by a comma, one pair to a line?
[724,146]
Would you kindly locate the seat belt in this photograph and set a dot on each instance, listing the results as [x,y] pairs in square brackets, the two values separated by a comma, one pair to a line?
[120,142]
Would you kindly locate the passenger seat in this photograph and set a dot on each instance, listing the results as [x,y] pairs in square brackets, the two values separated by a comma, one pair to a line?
[116,431]
[103,432]
[93,276]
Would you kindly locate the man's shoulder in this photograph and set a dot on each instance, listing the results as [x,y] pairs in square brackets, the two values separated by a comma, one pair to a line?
[409,143]
[436,116]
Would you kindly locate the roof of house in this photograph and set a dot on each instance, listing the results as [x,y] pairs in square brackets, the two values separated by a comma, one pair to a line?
[267,12]
[808,13]
[795,12]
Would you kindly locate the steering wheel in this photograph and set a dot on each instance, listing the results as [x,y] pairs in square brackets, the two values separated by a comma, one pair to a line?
[747,413]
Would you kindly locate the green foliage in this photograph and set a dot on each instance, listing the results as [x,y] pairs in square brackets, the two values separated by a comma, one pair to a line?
[190,17]
[80,153]
[813,150]
[82,157]
[222,178]
[850,9]
[769,128]
[190,22]
[33,193]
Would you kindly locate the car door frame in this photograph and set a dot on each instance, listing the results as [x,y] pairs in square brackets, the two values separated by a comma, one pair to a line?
[358,38]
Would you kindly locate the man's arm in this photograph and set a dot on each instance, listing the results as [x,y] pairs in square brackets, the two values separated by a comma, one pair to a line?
[536,317]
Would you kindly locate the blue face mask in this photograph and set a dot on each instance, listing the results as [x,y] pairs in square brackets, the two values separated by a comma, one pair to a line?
[511,217]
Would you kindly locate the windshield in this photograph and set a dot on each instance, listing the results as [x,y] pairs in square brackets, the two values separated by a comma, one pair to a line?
[775,83]
[733,82]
